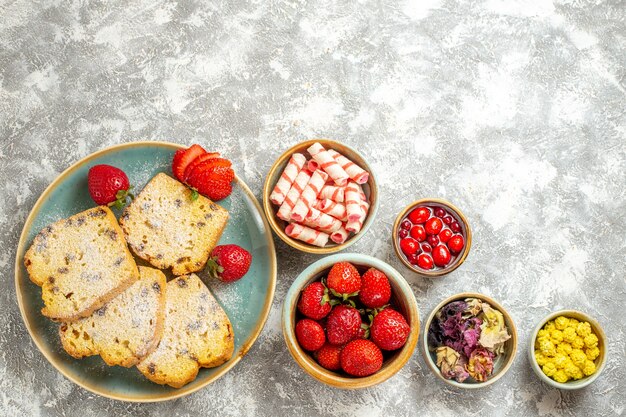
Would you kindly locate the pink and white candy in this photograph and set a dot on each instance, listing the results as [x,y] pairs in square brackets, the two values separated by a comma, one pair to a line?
[356,225]
[337,210]
[321,221]
[356,173]
[353,201]
[306,234]
[308,196]
[283,185]
[292,197]
[328,164]
[339,236]
[333,192]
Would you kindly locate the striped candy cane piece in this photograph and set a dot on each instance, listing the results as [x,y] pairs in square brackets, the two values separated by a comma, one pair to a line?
[353,201]
[328,164]
[339,236]
[312,165]
[283,185]
[321,221]
[337,210]
[356,225]
[333,192]
[356,173]
[306,234]
[302,179]
[308,196]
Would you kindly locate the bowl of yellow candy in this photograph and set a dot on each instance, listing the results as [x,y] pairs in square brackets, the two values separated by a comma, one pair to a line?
[568,350]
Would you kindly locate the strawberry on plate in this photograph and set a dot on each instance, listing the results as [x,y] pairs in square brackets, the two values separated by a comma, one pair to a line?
[389,329]
[200,159]
[184,157]
[343,324]
[344,280]
[361,358]
[213,178]
[229,263]
[108,185]
[375,289]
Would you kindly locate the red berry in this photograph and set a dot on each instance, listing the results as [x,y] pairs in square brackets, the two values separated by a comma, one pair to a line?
[419,215]
[184,157]
[375,291]
[314,302]
[433,226]
[329,356]
[456,244]
[426,247]
[389,330]
[413,258]
[424,261]
[344,278]
[441,255]
[445,235]
[213,178]
[455,226]
[408,246]
[447,220]
[418,233]
[406,225]
[433,240]
[199,160]
[108,185]
[229,263]
[343,324]
[361,358]
[310,334]
[403,233]
[439,212]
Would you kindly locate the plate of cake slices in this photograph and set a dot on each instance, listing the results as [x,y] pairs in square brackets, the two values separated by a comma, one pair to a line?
[146,271]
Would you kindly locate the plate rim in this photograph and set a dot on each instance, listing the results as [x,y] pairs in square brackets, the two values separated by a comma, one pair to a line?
[180,392]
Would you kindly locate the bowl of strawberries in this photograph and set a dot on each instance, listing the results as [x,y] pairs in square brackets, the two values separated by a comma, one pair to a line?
[350,321]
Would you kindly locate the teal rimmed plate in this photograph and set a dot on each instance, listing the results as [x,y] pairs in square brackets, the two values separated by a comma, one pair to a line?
[247,301]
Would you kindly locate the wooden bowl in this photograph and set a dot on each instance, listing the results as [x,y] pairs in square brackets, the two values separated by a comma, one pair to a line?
[502,362]
[370,188]
[465,229]
[402,298]
[600,361]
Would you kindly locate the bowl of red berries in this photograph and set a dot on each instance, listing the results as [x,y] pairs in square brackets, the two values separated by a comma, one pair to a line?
[350,321]
[432,237]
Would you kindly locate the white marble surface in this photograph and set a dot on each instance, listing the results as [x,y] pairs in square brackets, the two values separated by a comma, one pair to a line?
[514,110]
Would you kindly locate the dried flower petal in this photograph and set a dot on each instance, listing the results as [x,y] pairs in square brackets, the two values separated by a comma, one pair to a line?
[480,365]
[493,330]
[452,364]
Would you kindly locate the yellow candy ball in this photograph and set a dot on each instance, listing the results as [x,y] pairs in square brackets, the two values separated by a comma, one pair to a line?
[583,329]
[569,334]
[591,340]
[573,371]
[556,336]
[561,322]
[549,369]
[560,376]
[541,360]
[578,357]
[547,348]
[573,323]
[578,343]
[549,326]
[560,360]
[589,368]
[592,353]
[564,347]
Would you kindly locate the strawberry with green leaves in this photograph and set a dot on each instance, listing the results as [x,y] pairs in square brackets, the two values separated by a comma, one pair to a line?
[361,358]
[389,329]
[344,280]
[343,324]
[314,301]
[229,263]
[108,186]
[375,289]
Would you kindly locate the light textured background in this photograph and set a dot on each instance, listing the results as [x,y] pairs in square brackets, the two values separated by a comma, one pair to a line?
[514,110]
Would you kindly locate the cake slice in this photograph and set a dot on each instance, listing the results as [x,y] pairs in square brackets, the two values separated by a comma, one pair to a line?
[126,329]
[164,226]
[197,334]
[81,263]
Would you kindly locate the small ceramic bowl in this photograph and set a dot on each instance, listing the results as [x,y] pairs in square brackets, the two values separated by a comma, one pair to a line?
[465,231]
[402,298]
[502,362]
[370,189]
[600,361]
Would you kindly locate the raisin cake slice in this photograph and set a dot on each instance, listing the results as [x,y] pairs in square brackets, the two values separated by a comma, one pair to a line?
[81,263]
[197,334]
[126,329]
[164,226]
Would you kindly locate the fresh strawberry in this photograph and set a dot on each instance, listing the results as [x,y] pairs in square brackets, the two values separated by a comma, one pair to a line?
[375,289]
[200,159]
[343,324]
[389,329]
[329,356]
[344,280]
[184,157]
[310,334]
[361,358]
[212,178]
[314,301]
[108,185]
[228,263]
